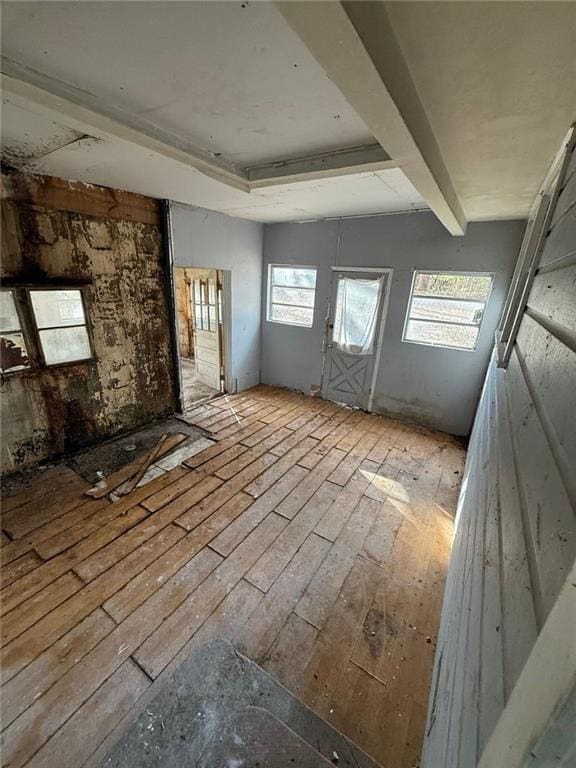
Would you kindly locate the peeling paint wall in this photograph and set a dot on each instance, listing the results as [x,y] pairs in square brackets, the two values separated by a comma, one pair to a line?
[57,231]
[181,282]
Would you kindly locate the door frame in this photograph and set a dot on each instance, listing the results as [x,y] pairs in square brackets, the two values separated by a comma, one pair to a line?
[226,348]
[380,332]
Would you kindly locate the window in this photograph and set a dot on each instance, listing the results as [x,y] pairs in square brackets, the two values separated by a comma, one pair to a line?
[446,308]
[55,329]
[61,323]
[204,305]
[13,352]
[291,294]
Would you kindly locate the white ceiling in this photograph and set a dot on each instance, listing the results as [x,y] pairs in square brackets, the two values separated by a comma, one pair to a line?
[231,77]
[111,163]
[233,80]
[498,83]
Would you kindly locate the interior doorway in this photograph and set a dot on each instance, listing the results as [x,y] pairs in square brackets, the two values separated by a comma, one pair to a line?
[353,335]
[199,309]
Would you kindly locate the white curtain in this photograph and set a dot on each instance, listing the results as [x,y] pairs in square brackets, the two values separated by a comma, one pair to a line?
[355,316]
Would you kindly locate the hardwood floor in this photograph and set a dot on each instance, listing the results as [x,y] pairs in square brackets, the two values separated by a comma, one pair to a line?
[313,537]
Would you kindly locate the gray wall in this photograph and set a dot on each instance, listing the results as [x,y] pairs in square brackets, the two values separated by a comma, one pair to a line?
[207,239]
[516,537]
[429,385]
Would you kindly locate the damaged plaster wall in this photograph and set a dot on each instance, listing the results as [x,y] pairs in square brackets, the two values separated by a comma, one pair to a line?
[56,232]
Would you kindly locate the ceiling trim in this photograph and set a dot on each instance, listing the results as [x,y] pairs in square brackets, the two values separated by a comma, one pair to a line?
[342,162]
[83,113]
[95,121]
[356,46]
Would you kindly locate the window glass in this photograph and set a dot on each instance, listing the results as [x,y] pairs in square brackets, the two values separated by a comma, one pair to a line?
[54,309]
[441,334]
[298,297]
[61,323]
[8,315]
[291,315]
[291,295]
[13,352]
[65,345]
[294,276]
[446,309]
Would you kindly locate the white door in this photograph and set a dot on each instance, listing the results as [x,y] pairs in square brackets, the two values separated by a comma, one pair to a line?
[205,295]
[352,340]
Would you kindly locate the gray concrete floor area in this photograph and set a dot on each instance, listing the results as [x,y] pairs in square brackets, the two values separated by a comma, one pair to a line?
[194,390]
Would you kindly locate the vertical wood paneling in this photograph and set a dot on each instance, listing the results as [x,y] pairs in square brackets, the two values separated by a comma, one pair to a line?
[516,537]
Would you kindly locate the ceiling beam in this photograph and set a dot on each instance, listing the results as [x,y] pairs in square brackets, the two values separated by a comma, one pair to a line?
[81,111]
[341,162]
[355,44]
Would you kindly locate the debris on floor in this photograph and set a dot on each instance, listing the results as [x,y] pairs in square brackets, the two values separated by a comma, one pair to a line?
[162,457]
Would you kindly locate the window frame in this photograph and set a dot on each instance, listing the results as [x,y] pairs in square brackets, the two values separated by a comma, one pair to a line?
[31,331]
[272,285]
[20,330]
[458,273]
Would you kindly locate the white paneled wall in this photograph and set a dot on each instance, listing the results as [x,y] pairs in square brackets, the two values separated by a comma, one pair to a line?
[515,540]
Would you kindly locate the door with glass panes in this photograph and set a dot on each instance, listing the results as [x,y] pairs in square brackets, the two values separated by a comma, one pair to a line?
[206,299]
[351,342]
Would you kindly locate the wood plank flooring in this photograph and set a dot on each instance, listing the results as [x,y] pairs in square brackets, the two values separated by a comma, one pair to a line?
[314,537]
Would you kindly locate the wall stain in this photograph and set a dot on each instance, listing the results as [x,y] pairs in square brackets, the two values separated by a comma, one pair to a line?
[47,412]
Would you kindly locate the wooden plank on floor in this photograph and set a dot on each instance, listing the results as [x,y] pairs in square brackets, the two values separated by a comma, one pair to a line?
[268,567]
[88,509]
[224,622]
[273,611]
[27,614]
[17,568]
[227,619]
[233,467]
[36,639]
[18,547]
[309,426]
[33,582]
[294,642]
[268,477]
[249,567]
[379,543]
[300,495]
[354,459]
[86,729]
[336,516]
[157,651]
[27,686]
[316,603]
[44,482]
[138,589]
[22,739]
[22,520]
[237,531]
[330,654]
[392,646]
[53,625]
[191,518]
[185,484]
[331,438]
[225,448]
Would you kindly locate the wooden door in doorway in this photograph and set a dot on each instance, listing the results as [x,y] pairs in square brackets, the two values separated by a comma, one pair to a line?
[352,336]
[206,304]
